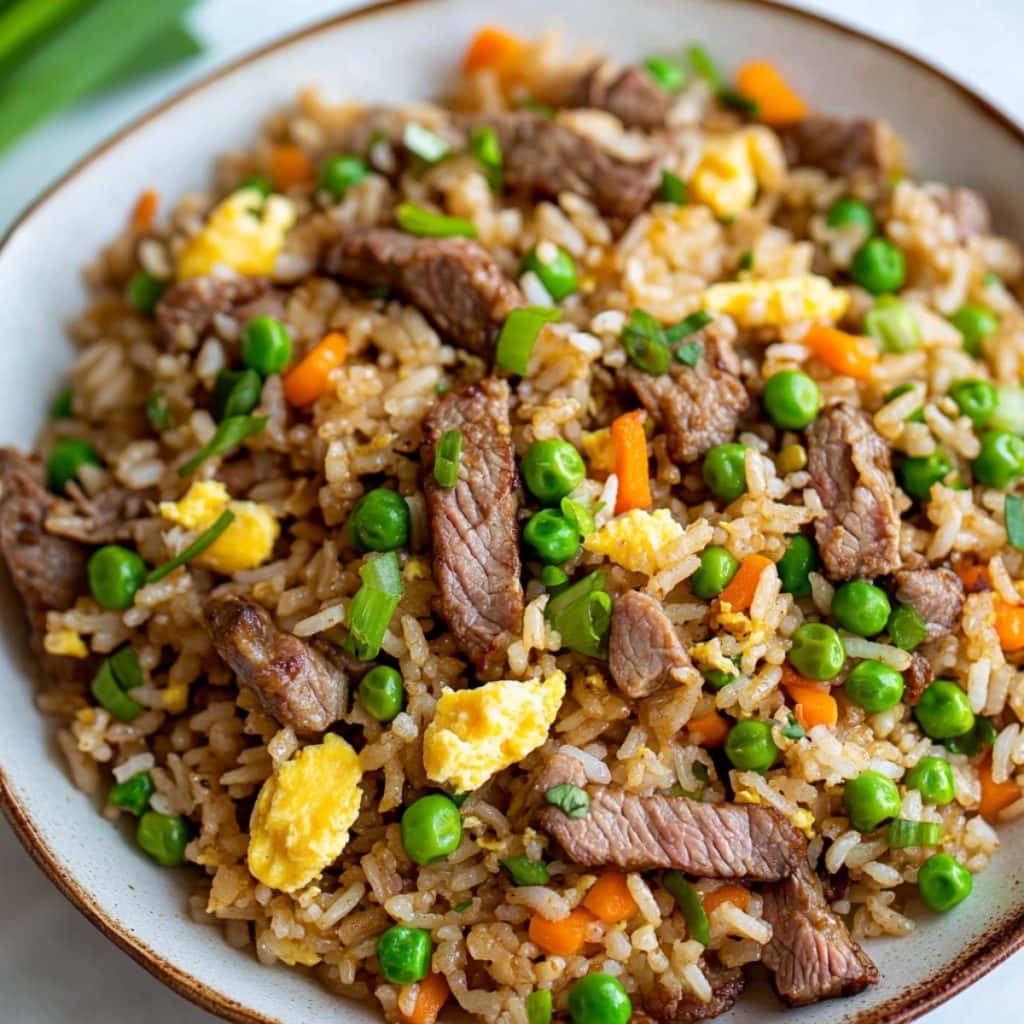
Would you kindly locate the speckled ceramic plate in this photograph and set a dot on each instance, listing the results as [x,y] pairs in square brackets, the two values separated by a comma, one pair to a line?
[394,51]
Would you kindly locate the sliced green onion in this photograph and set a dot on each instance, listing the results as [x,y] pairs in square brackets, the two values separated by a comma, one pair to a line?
[1009,412]
[673,189]
[571,800]
[124,663]
[157,412]
[705,65]
[903,834]
[971,743]
[231,431]
[990,279]
[667,73]
[793,730]
[464,905]
[690,905]
[529,103]
[579,515]
[133,794]
[374,604]
[63,404]
[1013,513]
[109,695]
[195,549]
[746,259]
[427,224]
[891,323]
[486,147]
[552,576]
[644,341]
[688,325]
[446,458]
[538,1007]
[425,144]
[525,871]
[582,615]
[690,353]
[735,100]
[519,334]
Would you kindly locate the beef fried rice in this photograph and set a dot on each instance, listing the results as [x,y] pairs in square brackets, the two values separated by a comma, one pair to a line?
[542,552]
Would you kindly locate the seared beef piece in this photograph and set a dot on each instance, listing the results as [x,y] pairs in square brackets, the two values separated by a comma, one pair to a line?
[937,595]
[473,524]
[296,684]
[110,517]
[811,955]
[668,1007]
[631,94]
[917,678]
[644,647]
[543,158]
[859,531]
[640,833]
[969,211]
[841,145]
[196,303]
[697,408]
[453,281]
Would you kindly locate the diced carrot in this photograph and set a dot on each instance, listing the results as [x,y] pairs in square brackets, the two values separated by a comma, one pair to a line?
[629,441]
[494,48]
[708,730]
[432,995]
[813,705]
[609,898]
[289,166]
[734,894]
[561,938]
[144,211]
[844,353]
[1010,625]
[307,381]
[974,576]
[739,593]
[777,102]
[995,795]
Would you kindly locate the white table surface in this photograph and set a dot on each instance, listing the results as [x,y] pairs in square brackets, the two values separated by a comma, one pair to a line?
[54,967]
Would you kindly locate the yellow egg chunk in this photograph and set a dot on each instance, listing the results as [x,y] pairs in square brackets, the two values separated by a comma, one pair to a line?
[245,544]
[476,733]
[66,642]
[597,446]
[778,302]
[302,816]
[245,232]
[731,168]
[637,540]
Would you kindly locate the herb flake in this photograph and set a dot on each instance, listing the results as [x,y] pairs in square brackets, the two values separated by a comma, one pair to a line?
[571,800]
[1013,512]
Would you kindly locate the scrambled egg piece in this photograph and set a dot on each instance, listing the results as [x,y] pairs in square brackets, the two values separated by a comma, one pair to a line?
[175,698]
[245,232]
[245,544]
[778,302]
[597,445]
[637,541]
[476,733]
[303,813]
[731,168]
[66,641]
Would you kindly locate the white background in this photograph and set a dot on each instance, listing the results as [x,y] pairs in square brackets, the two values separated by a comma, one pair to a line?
[54,967]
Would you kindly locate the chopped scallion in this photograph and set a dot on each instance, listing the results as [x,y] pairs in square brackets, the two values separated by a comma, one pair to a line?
[519,334]
[690,905]
[486,147]
[571,800]
[644,341]
[746,259]
[374,604]
[157,412]
[109,694]
[579,515]
[582,614]
[891,323]
[427,224]
[195,549]
[124,663]
[690,353]
[464,905]
[425,144]
[687,326]
[231,431]
[705,65]
[525,871]
[793,730]
[673,189]
[63,404]
[735,100]
[1013,513]
[552,576]
[903,834]
[446,458]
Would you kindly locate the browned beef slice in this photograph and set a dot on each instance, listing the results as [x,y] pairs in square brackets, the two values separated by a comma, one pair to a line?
[544,158]
[473,524]
[453,281]
[937,595]
[969,211]
[677,1007]
[295,683]
[916,678]
[697,408]
[631,94]
[195,303]
[109,517]
[841,145]
[644,647]
[859,530]
[811,955]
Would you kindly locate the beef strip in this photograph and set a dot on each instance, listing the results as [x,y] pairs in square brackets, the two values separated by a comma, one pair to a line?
[641,833]
[544,158]
[631,94]
[937,595]
[644,647]
[677,1007]
[842,145]
[296,684]
[192,306]
[811,955]
[969,211]
[858,531]
[697,408]
[453,281]
[112,516]
[473,524]
[916,678]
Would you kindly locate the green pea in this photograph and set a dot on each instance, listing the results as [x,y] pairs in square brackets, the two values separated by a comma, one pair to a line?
[861,607]
[258,183]
[716,678]
[133,794]
[115,574]
[558,274]
[943,882]
[976,399]
[1001,459]
[144,291]
[975,322]
[599,998]
[933,778]
[67,457]
[797,564]
[381,692]
[791,399]
[551,537]
[919,473]
[917,416]
[944,710]
[905,627]
[236,393]
[379,521]
[847,212]
[717,567]
[891,323]
[340,173]
[164,837]
[266,345]
[870,799]
[750,747]
[879,266]
[817,651]
[874,687]
[724,471]
[551,469]
[431,828]
[668,73]
[404,954]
